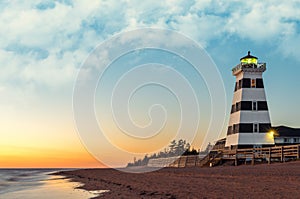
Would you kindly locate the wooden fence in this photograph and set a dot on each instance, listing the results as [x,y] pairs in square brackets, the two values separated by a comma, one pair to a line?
[270,154]
[238,156]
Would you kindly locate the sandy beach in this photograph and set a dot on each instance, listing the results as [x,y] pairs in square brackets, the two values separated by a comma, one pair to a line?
[278,180]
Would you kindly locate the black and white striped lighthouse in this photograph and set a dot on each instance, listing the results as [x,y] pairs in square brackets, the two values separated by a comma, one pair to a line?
[249,119]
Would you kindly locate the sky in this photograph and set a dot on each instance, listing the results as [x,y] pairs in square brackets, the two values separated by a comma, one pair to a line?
[45,44]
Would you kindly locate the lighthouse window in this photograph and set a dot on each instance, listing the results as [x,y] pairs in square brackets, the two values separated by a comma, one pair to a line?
[259,83]
[255,127]
[229,132]
[246,105]
[264,127]
[246,83]
[262,106]
[253,83]
[254,106]
[233,108]
[240,84]
[245,127]
[236,128]
[238,106]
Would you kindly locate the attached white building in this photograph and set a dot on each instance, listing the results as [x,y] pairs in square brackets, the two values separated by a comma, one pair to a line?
[286,135]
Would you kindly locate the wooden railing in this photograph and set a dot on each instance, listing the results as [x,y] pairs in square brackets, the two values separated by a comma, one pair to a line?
[268,155]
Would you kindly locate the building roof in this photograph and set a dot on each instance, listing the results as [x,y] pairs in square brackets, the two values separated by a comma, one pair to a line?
[248,56]
[284,131]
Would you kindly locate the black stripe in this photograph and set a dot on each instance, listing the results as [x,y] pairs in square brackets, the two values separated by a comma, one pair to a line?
[246,83]
[248,128]
[248,106]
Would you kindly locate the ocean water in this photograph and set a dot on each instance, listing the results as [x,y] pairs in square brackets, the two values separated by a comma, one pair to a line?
[36,183]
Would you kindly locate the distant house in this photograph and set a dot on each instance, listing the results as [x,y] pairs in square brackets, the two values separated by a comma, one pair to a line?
[286,135]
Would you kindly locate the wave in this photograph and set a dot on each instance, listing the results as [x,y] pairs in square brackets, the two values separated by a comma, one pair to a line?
[32,183]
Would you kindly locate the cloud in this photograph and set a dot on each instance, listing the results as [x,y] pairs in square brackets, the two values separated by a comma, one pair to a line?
[261,21]
[44,5]
[48,39]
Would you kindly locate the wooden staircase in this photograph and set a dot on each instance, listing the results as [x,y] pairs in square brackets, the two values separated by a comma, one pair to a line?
[211,159]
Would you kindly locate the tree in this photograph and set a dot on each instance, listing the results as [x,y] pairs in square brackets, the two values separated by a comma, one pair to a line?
[180,147]
[172,148]
[175,149]
[145,160]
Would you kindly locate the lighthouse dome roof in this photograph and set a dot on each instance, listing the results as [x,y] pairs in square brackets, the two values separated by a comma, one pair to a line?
[248,56]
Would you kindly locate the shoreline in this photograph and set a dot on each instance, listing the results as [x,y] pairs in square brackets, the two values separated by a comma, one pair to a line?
[278,180]
[37,183]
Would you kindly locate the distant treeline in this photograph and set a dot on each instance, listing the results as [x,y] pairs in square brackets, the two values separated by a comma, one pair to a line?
[176,148]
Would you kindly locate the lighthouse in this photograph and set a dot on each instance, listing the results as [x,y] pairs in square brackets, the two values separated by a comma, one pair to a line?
[249,121]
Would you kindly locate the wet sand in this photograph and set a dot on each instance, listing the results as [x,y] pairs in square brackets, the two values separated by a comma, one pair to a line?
[278,180]
[36,183]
